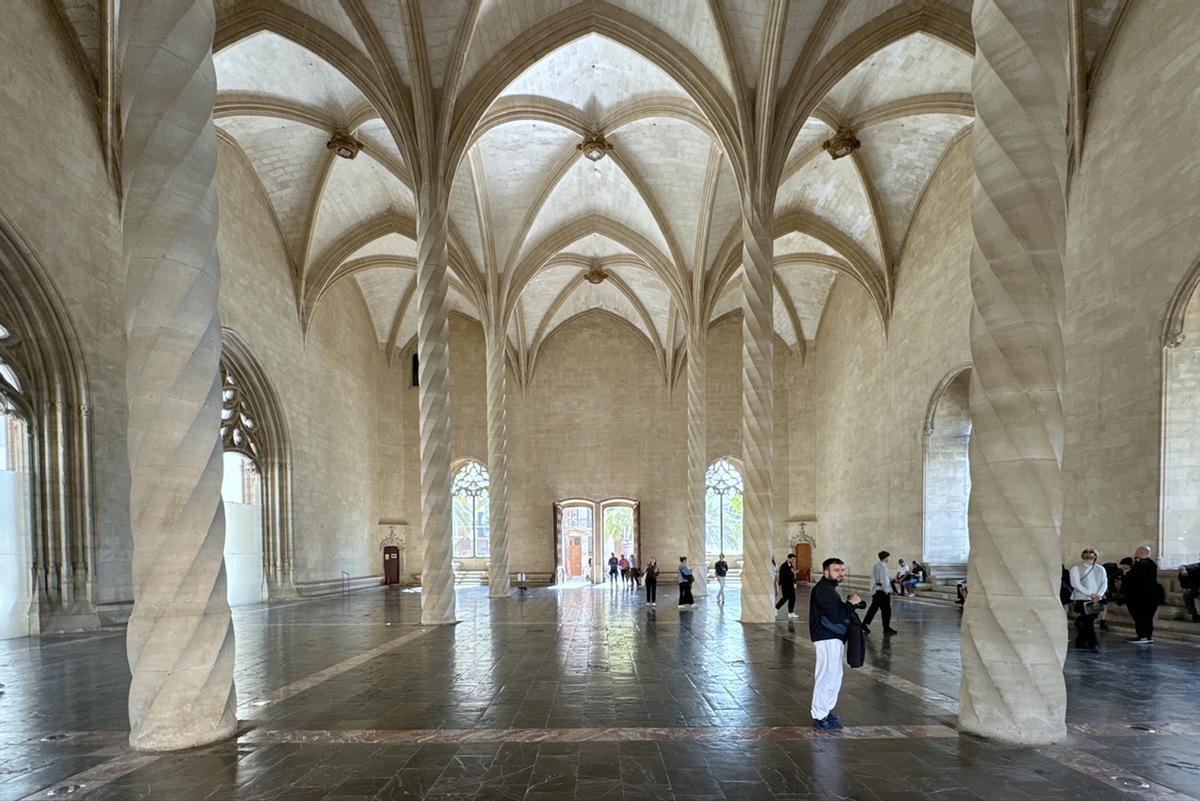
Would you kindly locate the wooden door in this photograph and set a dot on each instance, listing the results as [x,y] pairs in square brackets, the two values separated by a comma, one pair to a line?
[391,565]
[803,562]
[575,560]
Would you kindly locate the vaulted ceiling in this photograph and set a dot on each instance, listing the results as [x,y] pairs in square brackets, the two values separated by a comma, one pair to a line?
[664,81]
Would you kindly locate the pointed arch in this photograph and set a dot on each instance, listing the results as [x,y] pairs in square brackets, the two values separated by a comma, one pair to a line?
[267,443]
[621,26]
[43,350]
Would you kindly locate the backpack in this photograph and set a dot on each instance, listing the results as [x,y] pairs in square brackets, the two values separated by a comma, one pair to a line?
[856,642]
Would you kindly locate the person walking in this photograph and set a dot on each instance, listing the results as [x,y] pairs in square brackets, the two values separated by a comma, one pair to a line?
[881,599]
[633,572]
[1089,583]
[828,625]
[721,568]
[651,578]
[612,567]
[1142,595]
[787,585]
[623,563]
[685,584]
[1189,580]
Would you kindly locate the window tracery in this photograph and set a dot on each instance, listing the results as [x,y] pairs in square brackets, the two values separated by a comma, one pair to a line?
[239,429]
[723,508]
[471,509]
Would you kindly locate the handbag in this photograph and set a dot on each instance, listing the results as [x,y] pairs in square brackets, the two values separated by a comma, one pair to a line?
[1093,607]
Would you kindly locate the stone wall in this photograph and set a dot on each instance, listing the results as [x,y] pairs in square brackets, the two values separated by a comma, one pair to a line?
[872,389]
[599,422]
[1132,228]
[58,198]
[328,382]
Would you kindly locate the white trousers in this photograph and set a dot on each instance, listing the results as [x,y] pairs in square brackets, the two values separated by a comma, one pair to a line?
[721,592]
[828,681]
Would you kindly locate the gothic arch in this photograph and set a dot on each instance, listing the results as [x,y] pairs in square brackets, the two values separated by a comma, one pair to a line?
[271,452]
[945,473]
[1179,446]
[43,349]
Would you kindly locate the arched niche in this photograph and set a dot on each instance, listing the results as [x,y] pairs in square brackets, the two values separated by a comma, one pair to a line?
[947,475]
[42,349]
[248,395]
[1179,499]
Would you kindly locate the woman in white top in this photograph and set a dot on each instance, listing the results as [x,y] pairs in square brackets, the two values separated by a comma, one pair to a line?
[1089,582]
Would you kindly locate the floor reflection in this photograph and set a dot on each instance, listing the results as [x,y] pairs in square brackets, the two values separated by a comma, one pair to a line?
[584,692]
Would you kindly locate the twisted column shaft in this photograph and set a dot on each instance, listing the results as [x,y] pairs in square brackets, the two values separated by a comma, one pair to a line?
[1013,637]
[758,385]
[180,638]
[433,349]
[497,429]
[697,399]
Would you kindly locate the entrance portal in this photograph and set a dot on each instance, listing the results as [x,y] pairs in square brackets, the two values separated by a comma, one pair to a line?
[587,531]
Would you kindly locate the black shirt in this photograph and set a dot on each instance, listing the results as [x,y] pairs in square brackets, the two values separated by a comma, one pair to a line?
[787,577]
[721,567]
[1140,585]
[826,601]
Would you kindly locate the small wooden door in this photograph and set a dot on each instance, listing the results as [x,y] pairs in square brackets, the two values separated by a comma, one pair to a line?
[391,565]
[803,562]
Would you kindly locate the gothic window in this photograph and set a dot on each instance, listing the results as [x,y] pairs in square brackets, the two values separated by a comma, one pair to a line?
[471,528]
[239,430]
[723,508]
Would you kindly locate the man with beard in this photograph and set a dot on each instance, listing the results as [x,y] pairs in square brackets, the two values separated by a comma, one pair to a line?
[828,625]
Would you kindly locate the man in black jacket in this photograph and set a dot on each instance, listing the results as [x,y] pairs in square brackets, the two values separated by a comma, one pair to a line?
[787,585]
[1189,579]
[828,624]
[1141,591]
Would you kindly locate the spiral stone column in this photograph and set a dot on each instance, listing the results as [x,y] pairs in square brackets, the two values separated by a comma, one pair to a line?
[758,385]
[179,640]
[697,399]
[497,430]
[1013,634]
[433,349]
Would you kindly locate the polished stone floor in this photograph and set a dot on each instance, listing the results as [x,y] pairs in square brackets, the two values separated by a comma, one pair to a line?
[587,693]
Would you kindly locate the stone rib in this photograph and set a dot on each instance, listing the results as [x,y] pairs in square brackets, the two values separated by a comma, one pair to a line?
[1013,633]
[758,378]
[697,397]
[497,430]
[433,348]
[180,638]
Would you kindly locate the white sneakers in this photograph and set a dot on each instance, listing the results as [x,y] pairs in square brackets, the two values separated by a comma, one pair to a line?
[792,616]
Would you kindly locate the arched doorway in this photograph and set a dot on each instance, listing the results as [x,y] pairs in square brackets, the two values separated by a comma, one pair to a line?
[587,531]
[723,510]
[947,476]
[256,489]
[18,612]
[47,428]
[577,527]
[1179,517]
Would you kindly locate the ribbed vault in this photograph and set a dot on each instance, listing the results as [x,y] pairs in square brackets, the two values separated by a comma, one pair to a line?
[672,85]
